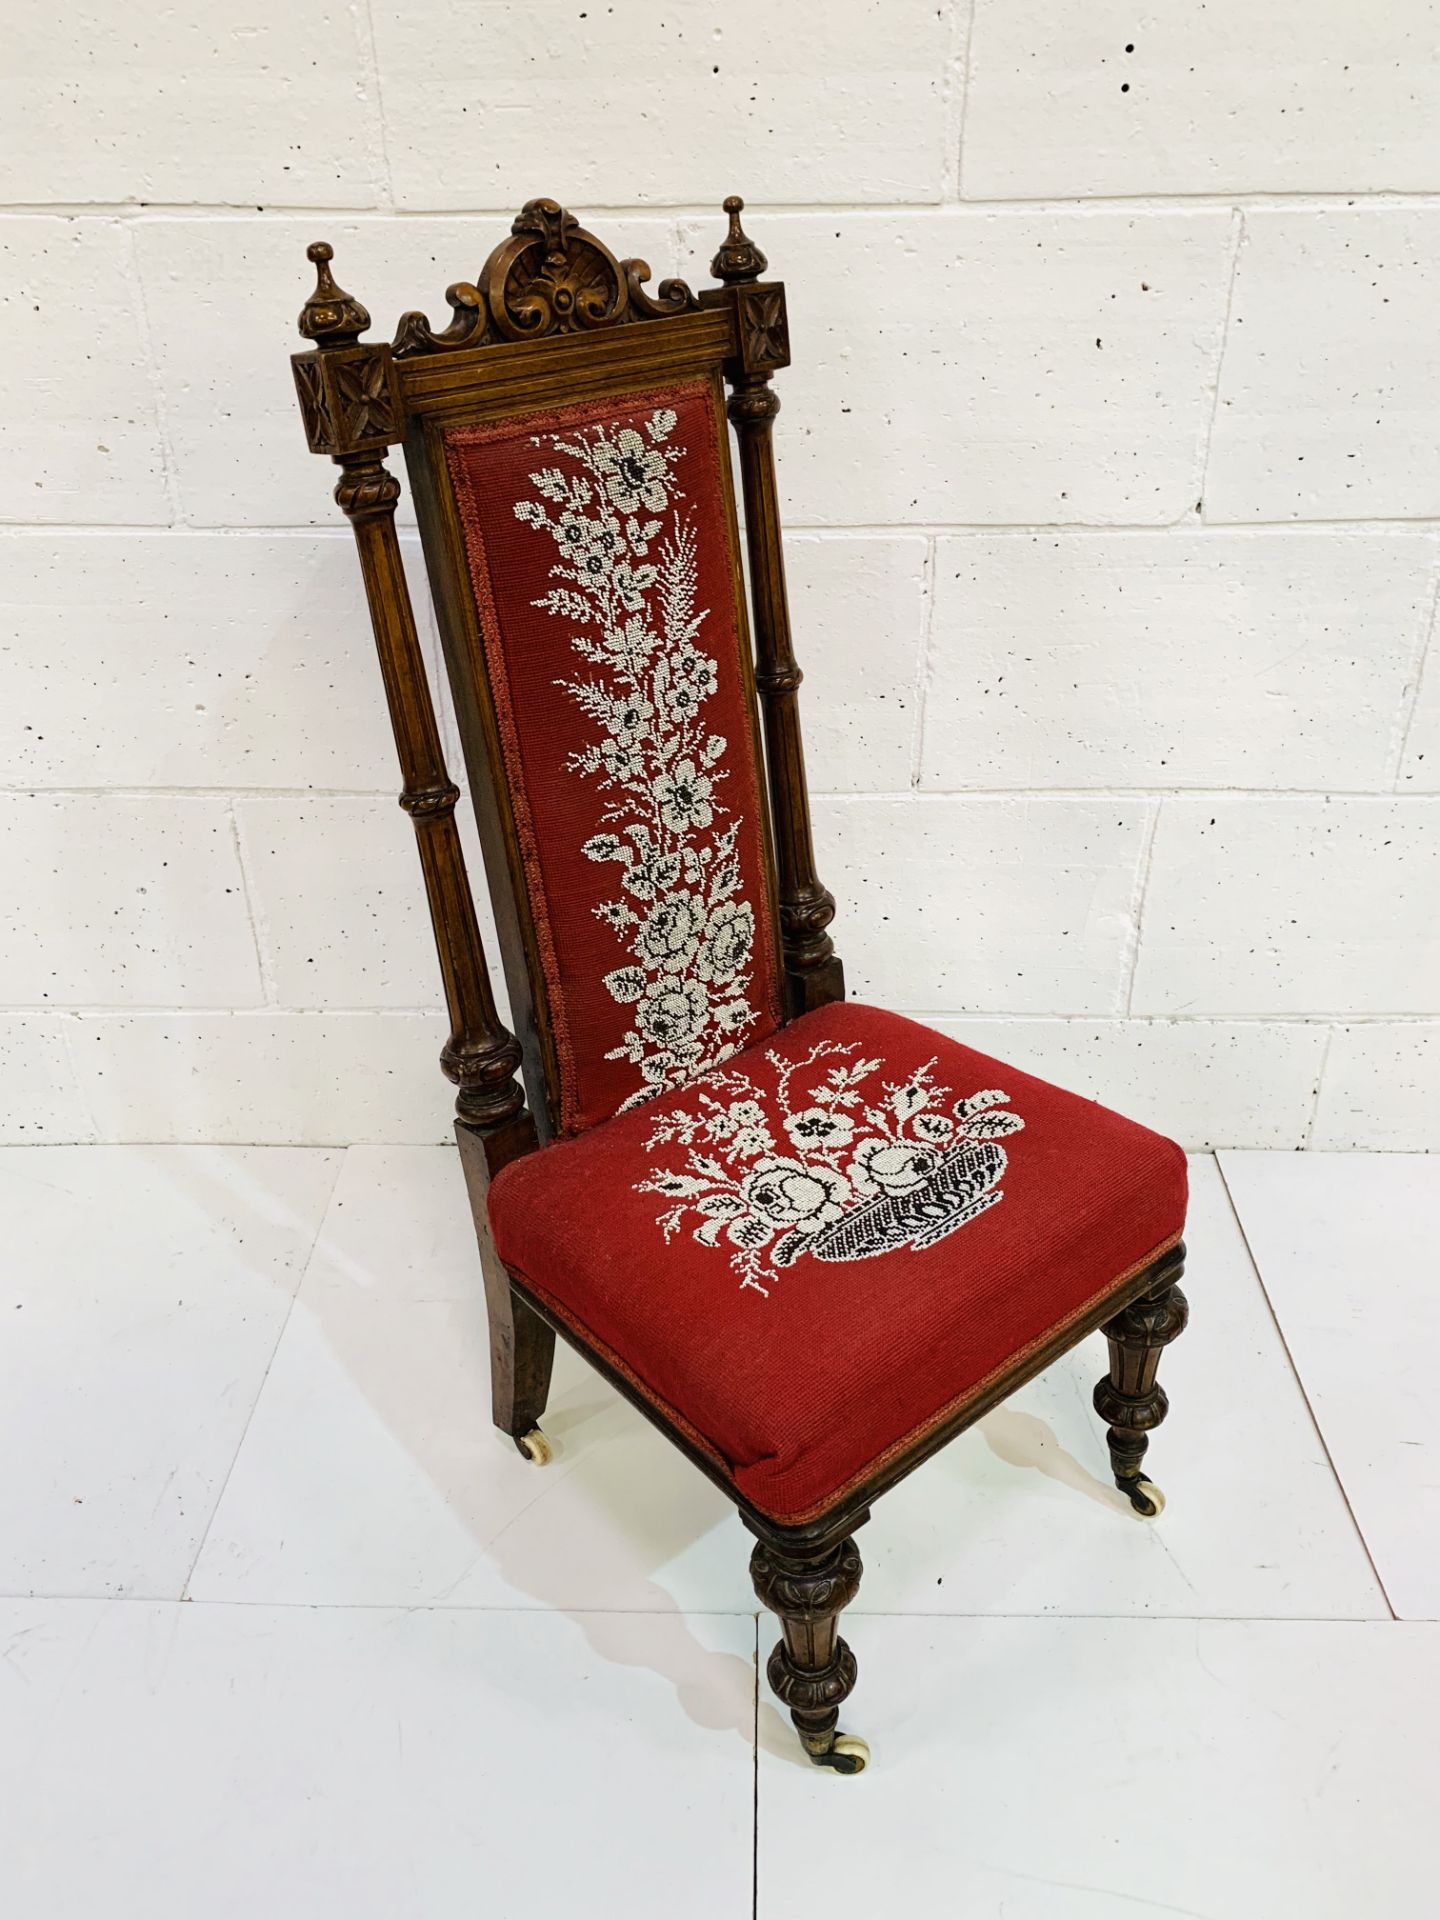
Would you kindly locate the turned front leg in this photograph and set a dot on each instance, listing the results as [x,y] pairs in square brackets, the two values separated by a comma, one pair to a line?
[1130,1399]
[812,1670]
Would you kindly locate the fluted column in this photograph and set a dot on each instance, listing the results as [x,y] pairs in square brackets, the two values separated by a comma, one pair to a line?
[812,1670]
[1130,1399]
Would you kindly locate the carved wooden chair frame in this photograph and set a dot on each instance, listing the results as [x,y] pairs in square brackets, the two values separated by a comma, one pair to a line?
[554,318]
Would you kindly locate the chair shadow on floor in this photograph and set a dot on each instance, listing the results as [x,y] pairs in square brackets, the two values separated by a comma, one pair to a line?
[1025,1440]
[620,1504]
[410,1335]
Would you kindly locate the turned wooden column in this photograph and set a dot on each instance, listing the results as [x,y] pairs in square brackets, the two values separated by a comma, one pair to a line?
[481,1056]
[350,402]
[812,1670]
[813,973]
[1130,1399]
[492,1123]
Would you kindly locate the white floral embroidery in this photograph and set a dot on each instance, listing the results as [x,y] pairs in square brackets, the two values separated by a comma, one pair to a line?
[838,1172]
[627,564]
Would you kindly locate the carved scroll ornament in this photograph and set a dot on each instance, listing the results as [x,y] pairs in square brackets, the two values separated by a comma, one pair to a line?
[549,277]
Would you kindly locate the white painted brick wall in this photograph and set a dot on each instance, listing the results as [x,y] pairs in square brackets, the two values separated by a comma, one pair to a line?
[80,437]
[1420,757]
[1328,392]
[1190,657]
[862,599]
[1251,894]
[176,659]
[990,903]
[1111,456]
[1111,98]
[1012,366]
[639,102]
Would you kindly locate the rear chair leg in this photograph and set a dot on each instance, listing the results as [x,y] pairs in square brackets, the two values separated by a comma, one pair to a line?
[1129,1399]
[522,1346]
[812,1670]
[522,1354]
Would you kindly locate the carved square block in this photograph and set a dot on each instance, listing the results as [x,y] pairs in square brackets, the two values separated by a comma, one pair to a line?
[349,398]
[763,328]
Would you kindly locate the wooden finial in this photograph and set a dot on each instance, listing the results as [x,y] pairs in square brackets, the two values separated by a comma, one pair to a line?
[739,259]
[330,317]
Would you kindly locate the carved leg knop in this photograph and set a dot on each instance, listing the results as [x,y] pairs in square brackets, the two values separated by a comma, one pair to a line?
[1129,1399]
[812,1670]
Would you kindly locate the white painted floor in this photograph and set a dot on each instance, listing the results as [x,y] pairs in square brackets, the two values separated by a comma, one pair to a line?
[286,1633]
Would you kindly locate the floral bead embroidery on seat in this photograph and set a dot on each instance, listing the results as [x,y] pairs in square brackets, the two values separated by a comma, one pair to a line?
[628,574]
[827,1165]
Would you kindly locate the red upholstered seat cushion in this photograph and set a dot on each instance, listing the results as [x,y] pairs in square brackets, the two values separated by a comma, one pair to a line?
[821,1248]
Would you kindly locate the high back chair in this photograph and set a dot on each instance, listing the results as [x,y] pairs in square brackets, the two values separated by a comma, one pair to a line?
[810,1240]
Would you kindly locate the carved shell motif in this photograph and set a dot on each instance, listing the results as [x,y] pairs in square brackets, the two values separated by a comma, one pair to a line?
[549,277]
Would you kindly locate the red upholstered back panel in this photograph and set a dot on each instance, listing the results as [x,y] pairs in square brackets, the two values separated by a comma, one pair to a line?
[599,542]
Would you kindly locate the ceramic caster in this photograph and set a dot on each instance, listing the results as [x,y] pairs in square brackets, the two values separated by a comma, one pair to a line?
[535,1447]
[1145,1497]
[848,1755]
